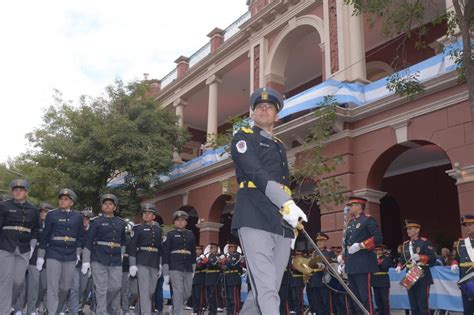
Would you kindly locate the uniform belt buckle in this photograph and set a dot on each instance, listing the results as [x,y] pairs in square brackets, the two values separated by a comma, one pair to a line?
[148,248]
[18,228]
[111,244]
[66,238]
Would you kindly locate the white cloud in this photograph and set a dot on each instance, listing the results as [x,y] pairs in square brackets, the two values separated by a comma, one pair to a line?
[78,47]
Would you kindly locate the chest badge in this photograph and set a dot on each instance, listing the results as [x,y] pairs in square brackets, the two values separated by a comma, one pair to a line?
[357,225]
[241,146]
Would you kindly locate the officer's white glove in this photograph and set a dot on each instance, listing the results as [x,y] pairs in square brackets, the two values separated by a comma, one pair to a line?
[166,279]
[293,242]
[340,259]
[202,256]
[292,213]
[32,250]
[398,269]
[133,271]
[415,257]
[321,266]
[355,248]
[160,272]
[454,268]
[39,263]
[341,269]
[78,259]
[222,257]
[85,268]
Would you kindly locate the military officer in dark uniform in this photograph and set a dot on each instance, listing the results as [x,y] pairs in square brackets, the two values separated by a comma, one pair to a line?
[19,224]
[381,281]
[61,244]
[362,234]
[418,251]
[317,292]
[212,277]
[465,259]
[179,260]
[297,287]
[261,168]
[103,253]
[284,292]
[37,279]
[198,295]
[232,278]
[144,256]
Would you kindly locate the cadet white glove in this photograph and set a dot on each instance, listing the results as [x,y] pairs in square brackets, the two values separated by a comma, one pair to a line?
[292,213]
[32,250]
[85,268]
[340,259]
[78,259]
[454,268]
[39,263]
[222,257]
[415,257]
[398,269]
[166,279]
[133,271]
[355,248]
[341,269]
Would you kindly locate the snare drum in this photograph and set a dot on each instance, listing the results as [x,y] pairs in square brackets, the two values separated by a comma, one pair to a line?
[466,285]
[412,276]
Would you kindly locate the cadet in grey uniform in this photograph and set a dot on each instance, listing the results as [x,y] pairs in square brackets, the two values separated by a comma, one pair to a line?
[61,244]
[19,223]
[261,168]
[103,251]
[37,279]
[144,256]
[179,260]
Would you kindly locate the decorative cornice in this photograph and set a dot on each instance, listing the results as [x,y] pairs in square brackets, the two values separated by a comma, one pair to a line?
[463,174]
[371,195]
[209,226]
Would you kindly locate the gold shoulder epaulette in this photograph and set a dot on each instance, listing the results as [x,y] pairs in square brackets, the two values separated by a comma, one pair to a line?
[246,130]
[278,139]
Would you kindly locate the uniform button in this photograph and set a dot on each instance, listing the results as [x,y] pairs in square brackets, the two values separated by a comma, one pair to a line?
[284,177]
[284,163]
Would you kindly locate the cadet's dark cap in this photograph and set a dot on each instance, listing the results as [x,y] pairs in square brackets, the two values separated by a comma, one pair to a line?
[199,247]
[180,214]
[468,218]
[46,206]
[213,244]
[321,237]
[19,183]
[110,197]
[266,95]
[411,224]
[150,208]
[68,193]
[354,199]
[232,243]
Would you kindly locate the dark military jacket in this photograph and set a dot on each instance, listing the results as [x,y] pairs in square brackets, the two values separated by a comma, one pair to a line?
[258,159]
[179,240]
[463,259]
[380,278]
[232,269]
[61,223]
[362,229]
[423,247]
[316,280]
[109,230]
[144,236]
[212,270]
[22,215]
[199,277]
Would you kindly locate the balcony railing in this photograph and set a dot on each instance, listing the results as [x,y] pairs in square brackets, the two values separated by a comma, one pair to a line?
[200,54]
[234,27]
[170,77]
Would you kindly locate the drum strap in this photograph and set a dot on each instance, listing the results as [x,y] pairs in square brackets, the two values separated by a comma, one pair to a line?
[410,248]
[470,252]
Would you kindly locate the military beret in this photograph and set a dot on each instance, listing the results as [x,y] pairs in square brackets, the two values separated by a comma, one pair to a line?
[266,95]
[69,193]
[19,183]
[110,197]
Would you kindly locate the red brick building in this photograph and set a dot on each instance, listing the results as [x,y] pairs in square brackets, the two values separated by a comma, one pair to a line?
[411,157]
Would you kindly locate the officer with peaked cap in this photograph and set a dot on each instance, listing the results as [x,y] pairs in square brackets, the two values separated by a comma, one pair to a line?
[232,268]
[212,277]
[37,279]
[417,251]
[464,260]
[61,245]
[103,252]
[19,224]
[144,256]
[199,295]
[380,281]
[261,168]
[179,260]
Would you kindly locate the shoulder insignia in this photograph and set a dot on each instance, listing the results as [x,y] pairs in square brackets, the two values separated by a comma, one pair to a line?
[246,130]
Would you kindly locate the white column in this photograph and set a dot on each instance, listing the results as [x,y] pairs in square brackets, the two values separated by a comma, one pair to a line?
[213,83]
[357,46]
[179,105]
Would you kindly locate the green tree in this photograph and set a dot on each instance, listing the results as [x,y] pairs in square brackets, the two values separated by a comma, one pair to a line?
[124,133]
[407,17]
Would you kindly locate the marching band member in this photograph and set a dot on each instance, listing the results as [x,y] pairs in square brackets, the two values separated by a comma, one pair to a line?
[199,295]
[284,292]
[362,234]
[465,259]
[297,287]
[418,251]
[381,281]
[212,277]
[61,244]
[232,278]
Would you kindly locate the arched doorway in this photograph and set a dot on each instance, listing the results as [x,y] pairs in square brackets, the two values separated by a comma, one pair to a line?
[413,176]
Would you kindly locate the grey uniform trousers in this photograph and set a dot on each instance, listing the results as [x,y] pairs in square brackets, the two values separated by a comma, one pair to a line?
[59,282]
[36,288]
[182,283]
[107,283]
[147,279]
[129,291]
[12,277]
[267,255]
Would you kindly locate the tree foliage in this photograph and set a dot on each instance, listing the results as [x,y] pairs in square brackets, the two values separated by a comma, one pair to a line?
[124,133]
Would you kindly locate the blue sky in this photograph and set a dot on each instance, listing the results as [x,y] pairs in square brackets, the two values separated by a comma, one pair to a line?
[79,47]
